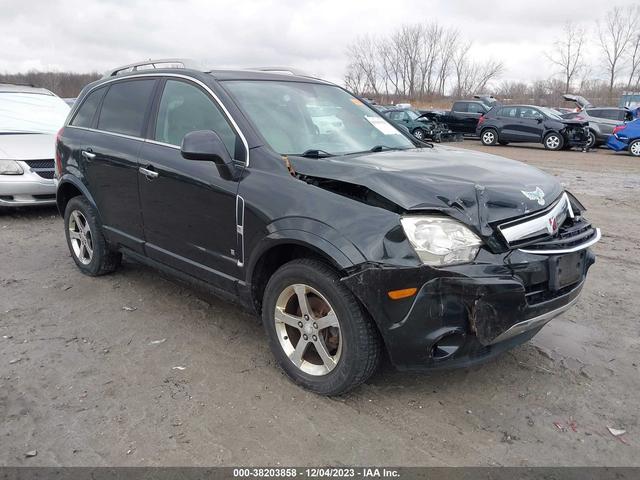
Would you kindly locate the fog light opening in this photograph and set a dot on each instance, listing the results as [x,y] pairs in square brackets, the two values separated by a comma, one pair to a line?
[447,345]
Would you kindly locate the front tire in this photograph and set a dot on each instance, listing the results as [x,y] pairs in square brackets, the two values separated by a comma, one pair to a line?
[634,148]
[489,137]
[553,141]
[320,335]
[85,240]
[419,134]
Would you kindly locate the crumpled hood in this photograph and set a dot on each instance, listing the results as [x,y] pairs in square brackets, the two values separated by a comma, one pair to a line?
[575,123]
[27,146]
[475,188]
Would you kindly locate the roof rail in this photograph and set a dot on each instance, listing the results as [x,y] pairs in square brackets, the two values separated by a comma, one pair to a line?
[284,70]
[150,64]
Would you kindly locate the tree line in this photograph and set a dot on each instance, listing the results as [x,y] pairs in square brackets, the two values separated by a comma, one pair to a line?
[63,84]
[417,61]
[430,61]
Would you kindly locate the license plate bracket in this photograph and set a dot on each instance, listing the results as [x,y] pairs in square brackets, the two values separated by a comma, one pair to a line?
[565,270]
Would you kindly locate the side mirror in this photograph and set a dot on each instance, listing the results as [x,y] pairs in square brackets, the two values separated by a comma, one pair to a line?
[539,120]
[205,145]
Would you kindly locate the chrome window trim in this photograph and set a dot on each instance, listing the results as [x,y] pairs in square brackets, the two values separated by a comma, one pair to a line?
[540,223]
[166,75]
[122,135]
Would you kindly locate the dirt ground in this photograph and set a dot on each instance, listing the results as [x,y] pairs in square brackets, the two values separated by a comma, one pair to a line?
[180,378]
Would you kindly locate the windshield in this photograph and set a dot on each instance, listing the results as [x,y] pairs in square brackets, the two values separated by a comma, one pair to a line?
[550,113]
[31,113]
[412,115]
[297,117]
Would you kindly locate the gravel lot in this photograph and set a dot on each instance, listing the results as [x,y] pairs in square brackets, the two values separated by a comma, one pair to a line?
[89,366]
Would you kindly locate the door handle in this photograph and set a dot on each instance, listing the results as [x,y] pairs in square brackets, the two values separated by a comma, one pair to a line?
[150,174]
[88,154]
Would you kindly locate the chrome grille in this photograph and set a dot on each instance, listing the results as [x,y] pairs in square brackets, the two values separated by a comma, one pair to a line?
[555,230]
[44,168]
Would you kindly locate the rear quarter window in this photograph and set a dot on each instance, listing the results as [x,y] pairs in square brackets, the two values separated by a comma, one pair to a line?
[87,111]
[124,107]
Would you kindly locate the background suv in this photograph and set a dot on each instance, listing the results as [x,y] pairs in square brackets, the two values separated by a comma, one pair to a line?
[346,242]
[526,123]
[29,119]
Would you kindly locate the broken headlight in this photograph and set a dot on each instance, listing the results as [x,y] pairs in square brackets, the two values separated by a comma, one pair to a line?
[10,167]
[440,240]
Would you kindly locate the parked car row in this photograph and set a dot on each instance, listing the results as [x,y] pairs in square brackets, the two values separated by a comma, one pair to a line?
[584,127]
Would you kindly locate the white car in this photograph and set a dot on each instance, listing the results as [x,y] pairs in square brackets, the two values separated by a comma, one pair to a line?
[29,120]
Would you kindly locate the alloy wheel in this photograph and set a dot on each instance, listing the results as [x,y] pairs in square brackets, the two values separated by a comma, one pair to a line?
[488,137]
[308,329]
[553,142]
[635,149]
[81,237]
[419,134]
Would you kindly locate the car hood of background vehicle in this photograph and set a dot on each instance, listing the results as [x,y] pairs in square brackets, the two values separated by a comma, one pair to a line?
[27,146]
[475,188]
[575,123]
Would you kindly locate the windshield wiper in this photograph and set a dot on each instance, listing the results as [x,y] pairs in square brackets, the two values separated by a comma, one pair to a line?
[315,153]
[380,148]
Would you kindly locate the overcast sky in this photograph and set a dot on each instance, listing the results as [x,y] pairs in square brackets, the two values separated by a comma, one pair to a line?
[86,35]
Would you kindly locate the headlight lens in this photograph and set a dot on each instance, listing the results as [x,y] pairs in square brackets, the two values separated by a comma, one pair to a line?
[441,240]
[10,167]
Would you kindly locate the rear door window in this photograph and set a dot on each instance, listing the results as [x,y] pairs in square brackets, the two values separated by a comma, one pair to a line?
[530,113]
[475,108]
[507,112]
[85,115]
[460,107]
[125,106]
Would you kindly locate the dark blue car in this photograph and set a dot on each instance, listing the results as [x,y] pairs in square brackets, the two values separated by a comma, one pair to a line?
[626,137]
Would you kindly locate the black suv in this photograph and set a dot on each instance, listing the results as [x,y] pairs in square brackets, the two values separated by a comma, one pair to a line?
[349,242]
[530,124]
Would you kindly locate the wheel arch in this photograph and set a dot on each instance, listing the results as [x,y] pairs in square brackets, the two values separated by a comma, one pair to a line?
[285,245]
[69,187]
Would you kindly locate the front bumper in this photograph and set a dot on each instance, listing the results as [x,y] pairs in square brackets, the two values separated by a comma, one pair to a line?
[26,189]
[466,314]
[576,137]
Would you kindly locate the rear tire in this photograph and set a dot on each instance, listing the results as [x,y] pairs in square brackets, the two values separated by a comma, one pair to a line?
[340,346]
[85,239]
[489,137]
[553,141]
[592,143]
[634,148]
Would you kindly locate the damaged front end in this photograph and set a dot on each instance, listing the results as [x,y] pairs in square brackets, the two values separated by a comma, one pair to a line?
[577,135]
[465,314]
[436,130]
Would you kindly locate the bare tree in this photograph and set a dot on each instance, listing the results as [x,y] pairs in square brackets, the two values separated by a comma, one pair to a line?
[363,68]
[473,77]
[614,36]
[568,53]
[634,64]
[448,45]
